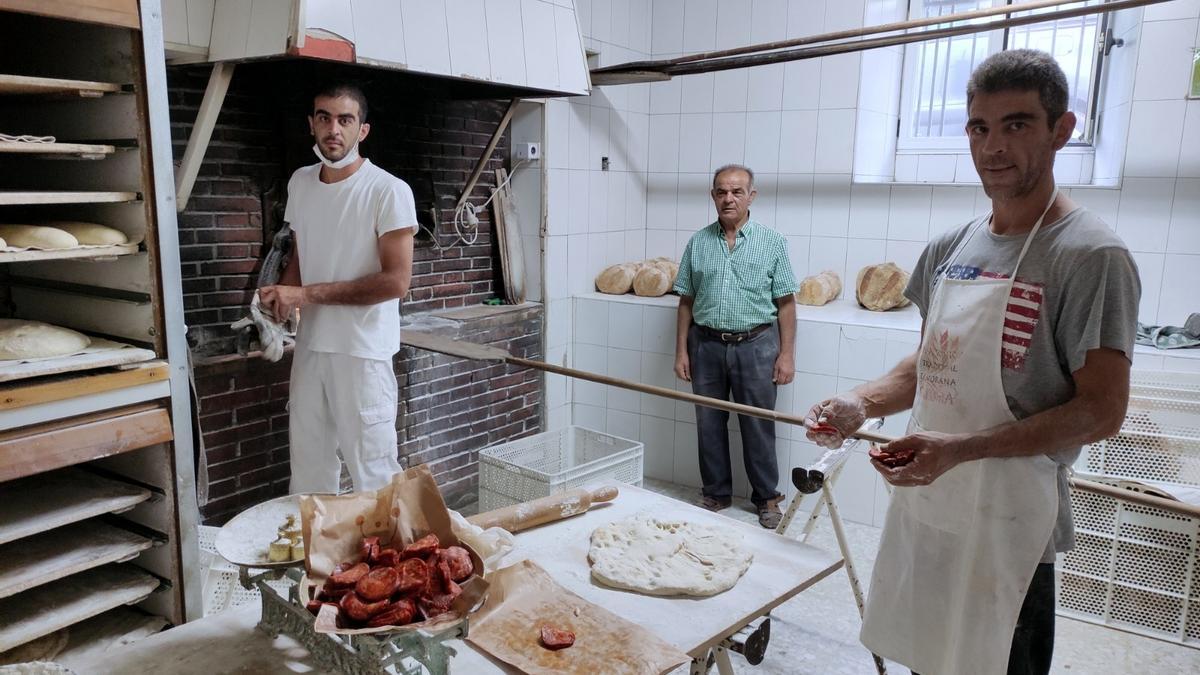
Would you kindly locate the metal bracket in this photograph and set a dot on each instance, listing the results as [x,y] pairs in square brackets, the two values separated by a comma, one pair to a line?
[202,128]
[1107,41]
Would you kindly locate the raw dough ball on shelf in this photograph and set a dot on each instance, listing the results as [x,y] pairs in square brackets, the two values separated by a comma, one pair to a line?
[881,287]
[651,281]
[663,557]
[37,236]
[819,289]
[20,339]
[3,243]
[91,234]
[617,279]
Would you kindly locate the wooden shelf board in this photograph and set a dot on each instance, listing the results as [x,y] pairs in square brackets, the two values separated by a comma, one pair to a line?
[36,197]
[33,255]
[49,86]
[61,552]
[48,608]
[44,502]
[59,387]
[119,355]
[53,445]
[81,150]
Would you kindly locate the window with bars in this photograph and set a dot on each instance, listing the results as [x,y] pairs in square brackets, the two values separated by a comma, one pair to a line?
[934,100]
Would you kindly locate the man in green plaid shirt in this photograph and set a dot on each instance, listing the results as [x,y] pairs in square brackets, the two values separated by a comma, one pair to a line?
[735,334]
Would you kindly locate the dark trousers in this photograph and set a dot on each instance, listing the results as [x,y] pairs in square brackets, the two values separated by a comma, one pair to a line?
[745,370]
[1033,639]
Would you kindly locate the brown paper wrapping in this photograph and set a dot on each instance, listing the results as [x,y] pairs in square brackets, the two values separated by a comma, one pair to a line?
[523,597]
[398,513]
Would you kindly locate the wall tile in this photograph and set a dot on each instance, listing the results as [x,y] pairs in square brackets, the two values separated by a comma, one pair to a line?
[601,20]
[1184,236]
[661,193]
[729,139]
[589,416]
[699,26]
[541,55]
[766,184]
[1164,60]
[1189,162]
[1144,218]
[801,84]
[624,326]
[909,216]
[660,243]
[831,205]
[695,205]
[658,370]
[1180,9]
[730,88]
[762,141]
[591,358]
[951,207]
[1178,296]
[665,97]
[940,168]
[658,453]
[793,210]
[697,94]
[664,143]
[624,364]
[696,134]
[591,322]
[859,254]
[1150,271]
[798,133]
[687,463]
[579,142]
[733,20]
[624,424]
[839,81]
[904,253]
[598,201]
[869,206]
[1155,134]
[666,33]
[829,253]
[503,20]
[765,88]
[834,127]
[844,14]
[798,255]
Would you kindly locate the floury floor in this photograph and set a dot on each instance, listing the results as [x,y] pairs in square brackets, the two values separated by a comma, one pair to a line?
[816,633]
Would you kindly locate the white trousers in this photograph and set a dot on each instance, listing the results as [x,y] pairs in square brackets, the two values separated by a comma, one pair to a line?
[345,403]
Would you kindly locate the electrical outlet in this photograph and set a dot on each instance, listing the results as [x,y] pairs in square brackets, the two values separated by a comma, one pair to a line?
[529,152]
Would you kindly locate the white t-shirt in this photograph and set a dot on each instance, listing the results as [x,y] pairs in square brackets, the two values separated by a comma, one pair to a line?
[338,226]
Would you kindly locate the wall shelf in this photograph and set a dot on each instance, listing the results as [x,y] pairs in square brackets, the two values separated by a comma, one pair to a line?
[79,150]
[48,86]
[83,253]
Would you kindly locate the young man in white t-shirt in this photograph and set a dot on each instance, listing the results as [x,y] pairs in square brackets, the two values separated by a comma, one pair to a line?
[352,261]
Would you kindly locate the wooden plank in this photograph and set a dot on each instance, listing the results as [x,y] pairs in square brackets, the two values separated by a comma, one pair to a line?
[61,552]
[45,609]
[27,85]
[36,197]
[83,253]
[120,354]
[19,395]
[122,13]
[58,498]
[32,450]
[82,150]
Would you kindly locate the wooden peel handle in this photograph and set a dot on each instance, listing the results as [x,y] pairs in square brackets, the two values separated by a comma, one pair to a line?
[544,510]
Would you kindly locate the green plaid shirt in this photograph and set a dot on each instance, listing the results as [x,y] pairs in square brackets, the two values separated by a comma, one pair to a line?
[735,290]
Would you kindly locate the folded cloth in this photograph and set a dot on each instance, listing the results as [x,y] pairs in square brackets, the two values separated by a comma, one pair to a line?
[1171,337]
[273,337]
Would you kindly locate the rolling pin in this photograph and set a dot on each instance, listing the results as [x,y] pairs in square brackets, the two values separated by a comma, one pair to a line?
[544,510]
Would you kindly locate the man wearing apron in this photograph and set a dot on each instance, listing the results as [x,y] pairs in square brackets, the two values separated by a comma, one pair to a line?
[352,262]
[1030,314]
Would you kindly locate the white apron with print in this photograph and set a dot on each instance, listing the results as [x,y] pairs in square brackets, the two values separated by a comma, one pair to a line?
[957,555]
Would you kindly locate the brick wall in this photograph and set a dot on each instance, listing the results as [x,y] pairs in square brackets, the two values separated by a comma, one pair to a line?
[449,409]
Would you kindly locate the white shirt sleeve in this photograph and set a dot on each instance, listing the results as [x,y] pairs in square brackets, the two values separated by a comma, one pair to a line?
[397,209]
[289,209]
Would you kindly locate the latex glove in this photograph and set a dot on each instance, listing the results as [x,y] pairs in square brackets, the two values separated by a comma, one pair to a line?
[831,420]
[933,454]
[272,336]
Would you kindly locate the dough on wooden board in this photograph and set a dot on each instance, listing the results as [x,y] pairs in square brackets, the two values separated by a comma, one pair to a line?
[20,339]
[37,236]
[90,234]
[667,557]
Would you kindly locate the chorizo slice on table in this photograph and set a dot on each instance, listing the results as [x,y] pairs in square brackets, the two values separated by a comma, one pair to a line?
[553,638]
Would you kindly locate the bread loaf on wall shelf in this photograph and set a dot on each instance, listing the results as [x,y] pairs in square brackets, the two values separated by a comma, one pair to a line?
[649,278]
[881,287]
[819,289]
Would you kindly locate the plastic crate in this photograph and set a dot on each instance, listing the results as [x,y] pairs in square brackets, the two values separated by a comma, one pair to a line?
[221,588]
[1135,567]
[553,462]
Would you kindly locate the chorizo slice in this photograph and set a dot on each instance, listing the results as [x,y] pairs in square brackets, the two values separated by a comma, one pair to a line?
[329,592]
[892,459]
[369,549]
[356,609]
[388,556]
[350,576]
[458,559]
[398,613]
[378,584]
[414,576]
[422,547]
[437,604]
[555,639]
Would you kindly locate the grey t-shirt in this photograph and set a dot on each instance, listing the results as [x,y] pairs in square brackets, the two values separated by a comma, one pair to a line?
[1077,289]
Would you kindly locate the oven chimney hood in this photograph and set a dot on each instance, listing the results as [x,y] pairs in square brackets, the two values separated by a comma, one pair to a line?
[529,46]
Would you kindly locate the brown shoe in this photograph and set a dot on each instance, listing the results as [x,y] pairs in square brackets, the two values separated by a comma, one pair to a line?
[714,504]
[769,514]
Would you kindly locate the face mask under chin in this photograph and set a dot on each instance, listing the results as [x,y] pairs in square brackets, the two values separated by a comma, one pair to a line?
[350,158]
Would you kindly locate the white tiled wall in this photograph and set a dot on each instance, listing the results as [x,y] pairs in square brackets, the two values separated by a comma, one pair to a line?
[796,126]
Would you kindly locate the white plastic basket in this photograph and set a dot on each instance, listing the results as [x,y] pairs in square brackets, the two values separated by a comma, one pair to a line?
[1134,567]
[553,462]
[221,588]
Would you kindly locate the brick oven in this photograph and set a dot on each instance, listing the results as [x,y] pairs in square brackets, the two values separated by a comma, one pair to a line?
[430,133]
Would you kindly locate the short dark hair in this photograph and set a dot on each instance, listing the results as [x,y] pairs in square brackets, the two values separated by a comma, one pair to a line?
[1023,70]
[733,167]
[347,89]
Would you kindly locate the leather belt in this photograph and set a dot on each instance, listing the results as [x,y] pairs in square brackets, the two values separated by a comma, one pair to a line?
[732,337]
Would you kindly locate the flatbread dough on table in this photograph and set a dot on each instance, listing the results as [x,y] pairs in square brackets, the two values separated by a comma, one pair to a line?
[665,557]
